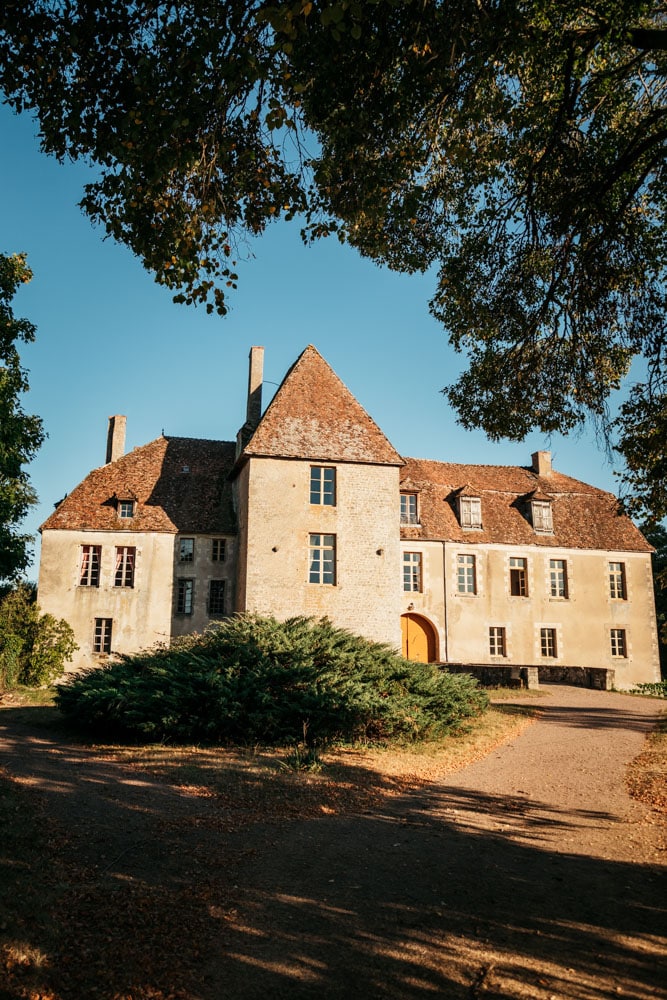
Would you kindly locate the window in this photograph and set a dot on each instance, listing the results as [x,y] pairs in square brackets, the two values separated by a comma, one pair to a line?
[518,577]
[216,597]
[558,577]
[618,643]
[497,645]
[322,553]
[322,486]
[184,596]
[617,589]
[126,508]
[409,514]
[470,512]
[542,517]
[548,641]
[218,550]
[102,635]
[466,575]
[91,555]
[412,571]
[186,550]
[125,559]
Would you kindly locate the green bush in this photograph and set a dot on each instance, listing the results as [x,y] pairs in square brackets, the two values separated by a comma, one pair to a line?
[257,680]
[33,647]
[655,690]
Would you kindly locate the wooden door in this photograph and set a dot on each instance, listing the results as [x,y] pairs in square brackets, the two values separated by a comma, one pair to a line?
[418,639]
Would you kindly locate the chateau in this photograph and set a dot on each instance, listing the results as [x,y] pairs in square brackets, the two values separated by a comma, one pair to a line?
[312,511]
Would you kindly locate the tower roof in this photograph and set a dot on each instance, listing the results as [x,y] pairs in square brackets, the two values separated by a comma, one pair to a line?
[314,416]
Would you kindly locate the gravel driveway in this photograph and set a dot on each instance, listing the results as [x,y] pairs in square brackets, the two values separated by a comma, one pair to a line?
[530,874]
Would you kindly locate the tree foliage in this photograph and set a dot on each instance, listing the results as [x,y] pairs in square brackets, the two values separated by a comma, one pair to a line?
[258,680]
[20,434]
[517,145]
[34,648]
[657,536]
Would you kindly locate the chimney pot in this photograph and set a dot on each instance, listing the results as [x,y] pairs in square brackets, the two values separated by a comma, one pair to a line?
[116,437]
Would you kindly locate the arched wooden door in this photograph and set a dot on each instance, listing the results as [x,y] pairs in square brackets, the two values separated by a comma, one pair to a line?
[419,639]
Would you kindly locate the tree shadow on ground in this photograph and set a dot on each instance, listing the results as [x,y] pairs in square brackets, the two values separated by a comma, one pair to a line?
[161,892]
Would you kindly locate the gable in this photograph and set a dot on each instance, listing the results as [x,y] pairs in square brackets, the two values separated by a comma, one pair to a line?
[314,416]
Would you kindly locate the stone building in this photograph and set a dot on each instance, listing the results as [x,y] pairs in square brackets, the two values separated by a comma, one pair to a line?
[312,511]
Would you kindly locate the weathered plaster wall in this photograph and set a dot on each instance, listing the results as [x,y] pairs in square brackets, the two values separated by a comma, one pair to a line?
[582,621]
[141,614]
[280,519]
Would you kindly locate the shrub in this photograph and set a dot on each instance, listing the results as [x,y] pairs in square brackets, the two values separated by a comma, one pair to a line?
[257,680]
[33,647]
[654,690]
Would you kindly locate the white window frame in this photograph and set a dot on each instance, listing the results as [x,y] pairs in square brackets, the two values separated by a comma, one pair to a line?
[322,559]
[90,565]
[412,572]
[466,573]
[519,565]
[126,561]
[497,640]
[542,516]
[102,633]
[409,507]
[323,485]
[618,587]
[549,642]
[126,508]
[619,643]
[558,582]
[470,512]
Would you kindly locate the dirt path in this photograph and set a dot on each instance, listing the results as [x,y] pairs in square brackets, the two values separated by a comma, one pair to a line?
[530,874]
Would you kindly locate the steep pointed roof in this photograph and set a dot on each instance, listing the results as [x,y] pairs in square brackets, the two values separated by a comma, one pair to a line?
[314,416]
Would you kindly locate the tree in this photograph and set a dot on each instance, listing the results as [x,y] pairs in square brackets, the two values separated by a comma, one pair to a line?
[20,434]
[657,536]
[516,144]
[33,647]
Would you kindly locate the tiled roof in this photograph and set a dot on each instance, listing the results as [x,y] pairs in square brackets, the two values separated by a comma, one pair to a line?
[167,497]
[583,516]
[314,416]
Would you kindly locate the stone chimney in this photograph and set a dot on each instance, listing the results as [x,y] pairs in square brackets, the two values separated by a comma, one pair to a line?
[254,404]
[116,438]
[255,376]
[541,463]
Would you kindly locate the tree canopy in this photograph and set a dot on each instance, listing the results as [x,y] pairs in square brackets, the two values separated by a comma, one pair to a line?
[517,146]
[20,434]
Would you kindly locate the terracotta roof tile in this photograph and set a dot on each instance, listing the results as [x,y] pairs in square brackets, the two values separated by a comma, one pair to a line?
[314,416]
[583,516]
[168,498]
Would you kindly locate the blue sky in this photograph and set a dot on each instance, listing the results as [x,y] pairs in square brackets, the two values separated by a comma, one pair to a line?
[109,340]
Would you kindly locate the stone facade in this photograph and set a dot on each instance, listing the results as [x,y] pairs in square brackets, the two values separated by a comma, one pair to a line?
[312,511]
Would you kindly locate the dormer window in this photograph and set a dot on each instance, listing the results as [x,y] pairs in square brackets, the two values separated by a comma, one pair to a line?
[409,511]
[126,508]
[542,516]
[470,512]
